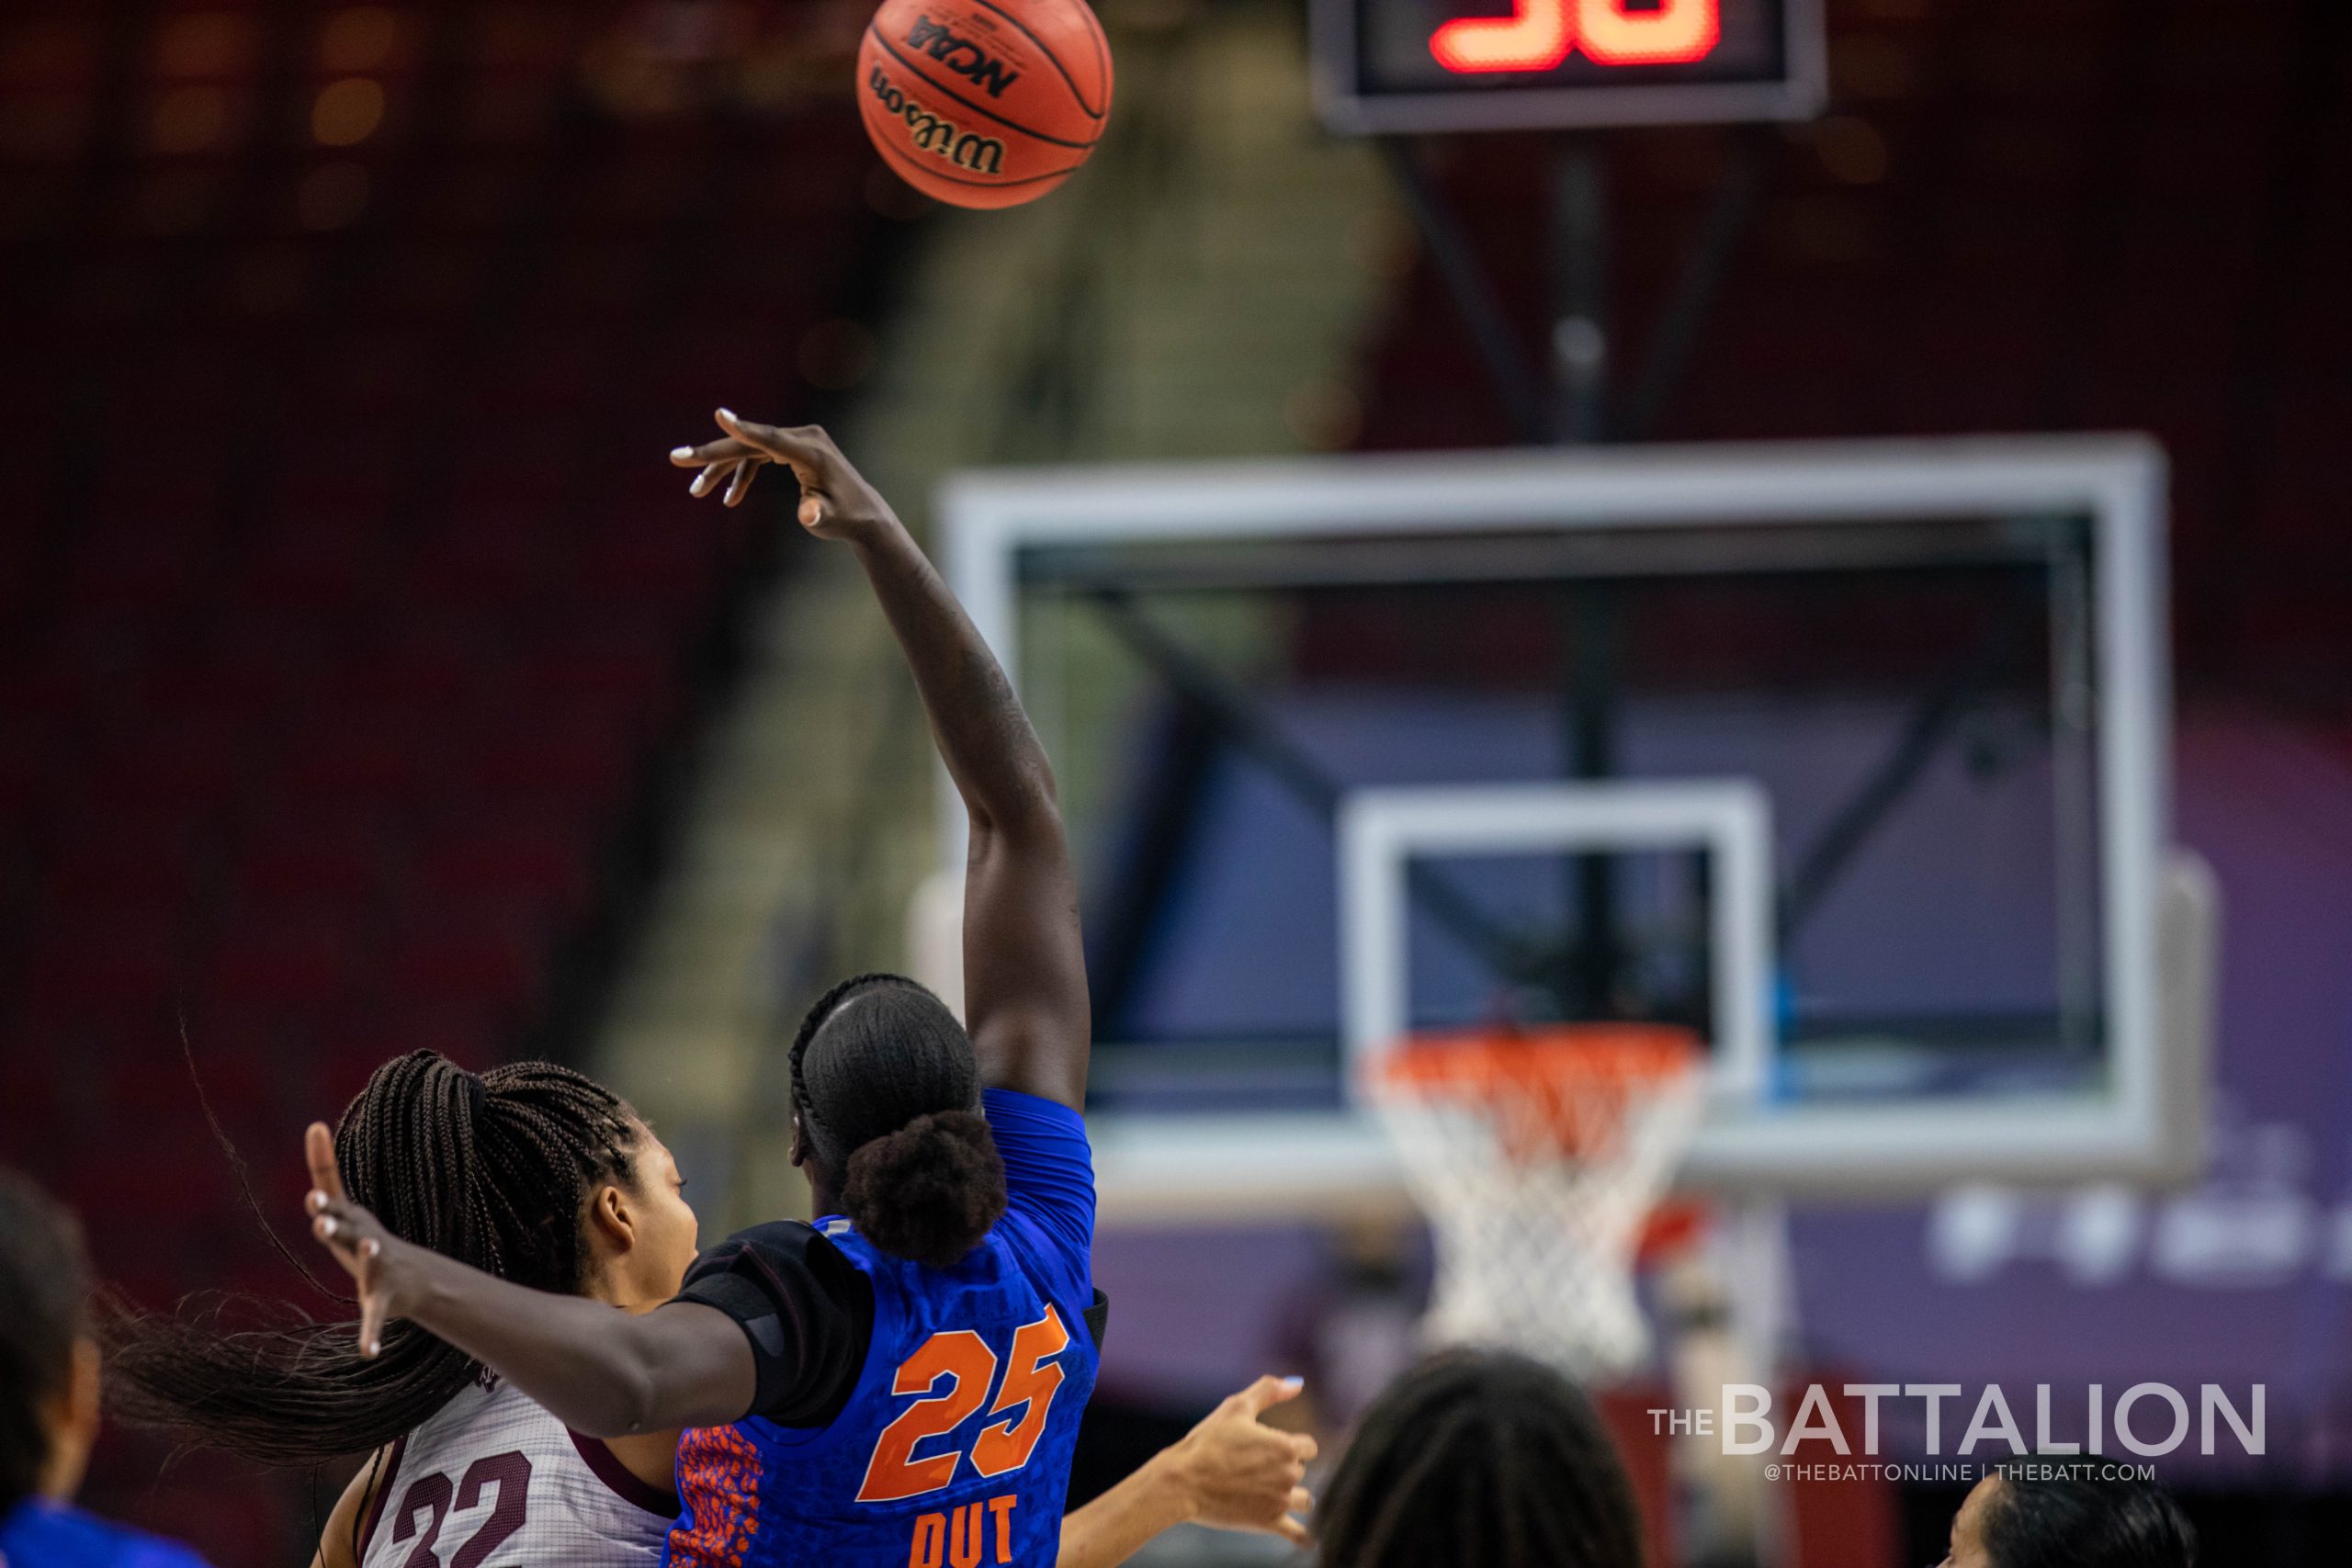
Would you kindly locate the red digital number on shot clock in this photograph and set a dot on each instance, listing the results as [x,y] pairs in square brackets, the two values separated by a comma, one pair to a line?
[1539,34]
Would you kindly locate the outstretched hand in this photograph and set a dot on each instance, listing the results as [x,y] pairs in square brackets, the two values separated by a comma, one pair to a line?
[357,1238]
[835,501]
[1244,1474]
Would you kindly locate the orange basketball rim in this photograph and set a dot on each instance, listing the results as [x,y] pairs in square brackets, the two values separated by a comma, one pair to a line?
[1554,1091]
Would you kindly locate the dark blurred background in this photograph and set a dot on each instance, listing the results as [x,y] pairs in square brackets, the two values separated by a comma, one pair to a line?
[358,653]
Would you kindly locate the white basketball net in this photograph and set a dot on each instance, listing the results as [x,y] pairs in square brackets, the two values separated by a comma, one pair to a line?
[1535,1245]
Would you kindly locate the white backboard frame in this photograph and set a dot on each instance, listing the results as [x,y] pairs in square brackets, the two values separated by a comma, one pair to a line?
[1177,1166]
[1383,830]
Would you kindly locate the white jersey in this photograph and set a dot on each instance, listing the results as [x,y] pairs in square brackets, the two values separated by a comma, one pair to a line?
[493,1480]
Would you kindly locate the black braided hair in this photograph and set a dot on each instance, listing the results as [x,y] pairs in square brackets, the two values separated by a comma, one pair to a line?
[1484,1456]
[2061,1513]
[887,1092]
[495,1169]
[44,1311]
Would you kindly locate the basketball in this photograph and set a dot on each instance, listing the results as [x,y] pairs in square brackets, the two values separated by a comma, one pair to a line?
[984,103]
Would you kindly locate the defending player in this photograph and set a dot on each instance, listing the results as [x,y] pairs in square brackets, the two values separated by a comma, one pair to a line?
[901,1382]
[533,1171]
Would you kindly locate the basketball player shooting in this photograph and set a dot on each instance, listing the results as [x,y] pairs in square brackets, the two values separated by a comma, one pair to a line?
[900,1382]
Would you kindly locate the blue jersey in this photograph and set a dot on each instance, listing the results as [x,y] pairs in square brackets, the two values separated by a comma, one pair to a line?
[948,1443]
[37,1534]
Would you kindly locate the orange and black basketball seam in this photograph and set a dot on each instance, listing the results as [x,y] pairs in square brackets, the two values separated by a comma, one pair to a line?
[1055,60]
[1102,63]
[918,72]
[899,155]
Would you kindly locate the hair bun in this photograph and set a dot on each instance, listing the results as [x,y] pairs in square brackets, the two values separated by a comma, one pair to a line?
[929,1191]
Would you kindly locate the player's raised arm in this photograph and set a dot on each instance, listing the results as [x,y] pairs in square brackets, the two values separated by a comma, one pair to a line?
[1025,968]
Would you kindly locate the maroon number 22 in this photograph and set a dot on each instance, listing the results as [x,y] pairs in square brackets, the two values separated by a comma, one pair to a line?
[510,1474]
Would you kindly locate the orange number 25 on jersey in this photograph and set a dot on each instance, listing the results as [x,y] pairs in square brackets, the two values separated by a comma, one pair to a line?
[964,1361]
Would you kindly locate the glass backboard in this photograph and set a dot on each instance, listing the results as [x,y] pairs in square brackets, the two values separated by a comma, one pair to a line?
[1939,668]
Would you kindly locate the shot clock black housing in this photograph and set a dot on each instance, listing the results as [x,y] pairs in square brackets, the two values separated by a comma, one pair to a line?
[1397,66]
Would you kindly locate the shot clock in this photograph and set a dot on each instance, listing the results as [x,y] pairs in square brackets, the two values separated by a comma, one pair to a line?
[1437,65]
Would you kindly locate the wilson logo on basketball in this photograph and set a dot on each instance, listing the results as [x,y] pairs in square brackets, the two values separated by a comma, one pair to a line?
[961,55]
[943,139]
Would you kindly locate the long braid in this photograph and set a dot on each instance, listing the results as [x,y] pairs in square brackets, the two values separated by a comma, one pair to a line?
[1480,1457]
[495,1170]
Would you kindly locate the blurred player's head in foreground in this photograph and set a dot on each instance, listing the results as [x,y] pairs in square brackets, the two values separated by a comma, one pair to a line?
[2062,1513]
[1480,1456]
[529,1171]
[886,1120]
[49,1362]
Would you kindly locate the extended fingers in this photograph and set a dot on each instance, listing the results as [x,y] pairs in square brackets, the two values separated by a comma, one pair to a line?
[335,1222]
[806,444]
[318,1151]
[740,485]
[341,1225]
[1286,1524]
[371,1320]
[1266,1392]
[1303,1447]
[709,452]
[708,479]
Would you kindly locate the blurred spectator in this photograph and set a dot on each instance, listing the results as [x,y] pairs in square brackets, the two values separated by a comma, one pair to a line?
[2060,1512]
[1357,1327]
[1484,1457]
[49,1397]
